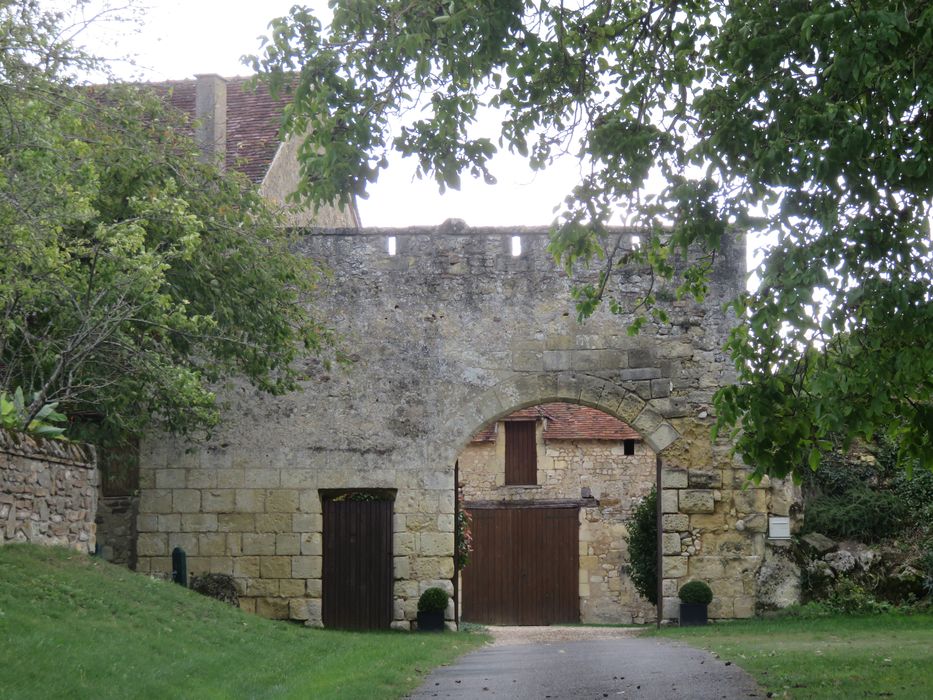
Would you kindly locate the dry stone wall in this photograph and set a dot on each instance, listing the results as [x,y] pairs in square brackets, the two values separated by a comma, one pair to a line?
[448,334]
[48,492]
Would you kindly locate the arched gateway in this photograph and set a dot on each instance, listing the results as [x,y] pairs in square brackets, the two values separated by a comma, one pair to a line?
[450,332]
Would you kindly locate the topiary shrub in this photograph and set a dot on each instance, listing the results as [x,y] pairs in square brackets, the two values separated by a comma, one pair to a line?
[695,593]
[433,600]
[642,543]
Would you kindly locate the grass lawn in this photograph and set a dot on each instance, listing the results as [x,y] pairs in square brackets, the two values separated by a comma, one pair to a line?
[74,626]
[889,655]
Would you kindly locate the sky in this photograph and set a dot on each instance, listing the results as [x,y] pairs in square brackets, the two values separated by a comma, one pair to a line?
[178,39]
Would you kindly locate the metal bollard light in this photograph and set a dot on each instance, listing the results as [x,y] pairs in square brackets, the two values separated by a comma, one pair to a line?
[180,567]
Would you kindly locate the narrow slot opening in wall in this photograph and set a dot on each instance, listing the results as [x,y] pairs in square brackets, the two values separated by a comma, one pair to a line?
[390,245]
[636,241]
[516,246]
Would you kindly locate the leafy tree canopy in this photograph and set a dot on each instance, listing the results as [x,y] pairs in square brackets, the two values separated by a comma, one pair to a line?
[133,277]
[810,122]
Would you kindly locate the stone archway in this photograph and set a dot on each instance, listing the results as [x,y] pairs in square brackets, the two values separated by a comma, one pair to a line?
[549,490]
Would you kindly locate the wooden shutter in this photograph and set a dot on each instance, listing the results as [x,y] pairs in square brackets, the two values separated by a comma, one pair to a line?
[521,453]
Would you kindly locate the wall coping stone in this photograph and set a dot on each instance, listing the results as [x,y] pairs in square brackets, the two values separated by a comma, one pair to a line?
[60,451]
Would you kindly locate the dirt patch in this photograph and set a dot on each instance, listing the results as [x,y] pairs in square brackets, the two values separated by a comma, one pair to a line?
[504,636]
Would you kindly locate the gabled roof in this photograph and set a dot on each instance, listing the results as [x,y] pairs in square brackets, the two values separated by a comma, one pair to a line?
[567,421]
[253,121]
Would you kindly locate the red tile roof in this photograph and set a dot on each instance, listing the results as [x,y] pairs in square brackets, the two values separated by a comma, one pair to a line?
[567,421]
[253,121]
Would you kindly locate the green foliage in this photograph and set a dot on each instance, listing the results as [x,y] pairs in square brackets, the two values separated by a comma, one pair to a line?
[642,543]
[133,277]
[814,114]
[696,593]
[13,416]
[860,513]
[849,598]
[837,474]
[463,536]
[926,563]
[434,599]
[915,493]
[865,496]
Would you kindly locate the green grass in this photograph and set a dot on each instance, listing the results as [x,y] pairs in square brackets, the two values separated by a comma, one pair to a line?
[74,626]
[887,655]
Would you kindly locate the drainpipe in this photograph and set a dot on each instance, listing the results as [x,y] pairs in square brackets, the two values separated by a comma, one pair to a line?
[457,507]
[660,577]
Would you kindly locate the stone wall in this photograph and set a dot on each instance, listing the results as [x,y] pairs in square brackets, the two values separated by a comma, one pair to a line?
[447,335]
[715,528]
[48,492]
[116,529]
[569,469]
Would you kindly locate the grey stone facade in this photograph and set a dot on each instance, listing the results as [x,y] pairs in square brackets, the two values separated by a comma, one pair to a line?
[447,335]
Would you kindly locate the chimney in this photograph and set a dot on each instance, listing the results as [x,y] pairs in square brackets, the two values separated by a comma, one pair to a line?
[210,111]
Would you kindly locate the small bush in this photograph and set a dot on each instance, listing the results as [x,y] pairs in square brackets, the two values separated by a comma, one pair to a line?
[218,586]
[852,599]
[433,600]
[926,567]
[915,493]
[861,513]
[838,474]
[695,593]
[643,547]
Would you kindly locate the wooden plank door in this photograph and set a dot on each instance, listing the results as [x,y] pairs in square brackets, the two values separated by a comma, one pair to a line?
[357,566]
[524,567]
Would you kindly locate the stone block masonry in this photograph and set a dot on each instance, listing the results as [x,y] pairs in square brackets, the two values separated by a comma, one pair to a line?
[48,492]
[448,334]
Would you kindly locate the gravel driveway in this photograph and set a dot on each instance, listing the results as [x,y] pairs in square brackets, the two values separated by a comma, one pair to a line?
[586,662]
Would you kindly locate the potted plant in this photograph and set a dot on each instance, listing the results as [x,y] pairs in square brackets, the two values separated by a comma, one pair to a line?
[695,596]
[431,608]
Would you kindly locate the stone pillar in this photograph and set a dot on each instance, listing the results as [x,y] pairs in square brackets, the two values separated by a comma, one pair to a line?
[210,111]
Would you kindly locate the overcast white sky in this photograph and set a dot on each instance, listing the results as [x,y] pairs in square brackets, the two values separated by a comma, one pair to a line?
[179,39]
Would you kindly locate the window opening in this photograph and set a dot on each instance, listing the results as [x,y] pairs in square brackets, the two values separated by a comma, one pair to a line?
[521,454]
[390,245]
[516,246]
[628,447]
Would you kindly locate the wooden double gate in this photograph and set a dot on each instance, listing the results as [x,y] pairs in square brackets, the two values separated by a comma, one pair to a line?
[524,569]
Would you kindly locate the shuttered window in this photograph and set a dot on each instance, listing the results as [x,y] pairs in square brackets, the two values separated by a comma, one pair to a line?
[521,454]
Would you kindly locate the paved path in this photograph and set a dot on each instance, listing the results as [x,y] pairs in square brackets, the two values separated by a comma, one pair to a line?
[559,662]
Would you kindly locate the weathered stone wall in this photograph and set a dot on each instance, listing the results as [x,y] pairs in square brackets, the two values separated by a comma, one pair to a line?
[48,492]
[565,468]
[282,179]
[445,336]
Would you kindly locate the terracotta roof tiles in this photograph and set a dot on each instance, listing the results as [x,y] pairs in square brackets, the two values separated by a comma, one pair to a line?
[567,421]
[253,121]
